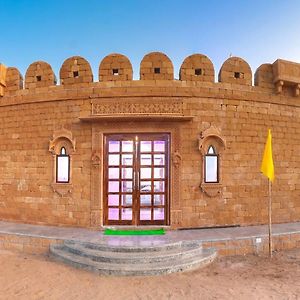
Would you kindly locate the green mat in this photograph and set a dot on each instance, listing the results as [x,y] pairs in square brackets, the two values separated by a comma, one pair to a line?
[109,231]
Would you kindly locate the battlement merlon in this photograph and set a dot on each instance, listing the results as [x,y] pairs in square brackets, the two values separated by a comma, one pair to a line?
[2,79]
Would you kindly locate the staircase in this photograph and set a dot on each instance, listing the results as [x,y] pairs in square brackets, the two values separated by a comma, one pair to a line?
[133,260]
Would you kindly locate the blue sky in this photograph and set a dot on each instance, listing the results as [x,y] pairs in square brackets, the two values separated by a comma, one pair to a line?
[258,31]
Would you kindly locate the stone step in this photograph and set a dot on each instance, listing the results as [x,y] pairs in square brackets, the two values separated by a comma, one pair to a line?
[58,253]
[136,247]
[186,251]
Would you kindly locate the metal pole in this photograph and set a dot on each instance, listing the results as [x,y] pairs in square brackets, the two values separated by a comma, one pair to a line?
[270,220]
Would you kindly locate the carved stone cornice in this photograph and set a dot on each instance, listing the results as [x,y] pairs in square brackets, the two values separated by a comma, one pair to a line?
[152,107]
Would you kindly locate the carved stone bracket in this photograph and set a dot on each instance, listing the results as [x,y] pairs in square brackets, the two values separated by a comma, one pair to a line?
[211,189]
[62,189]
[96,159]
[176,159]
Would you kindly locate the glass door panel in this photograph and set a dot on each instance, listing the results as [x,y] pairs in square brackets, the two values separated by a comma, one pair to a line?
[136,179]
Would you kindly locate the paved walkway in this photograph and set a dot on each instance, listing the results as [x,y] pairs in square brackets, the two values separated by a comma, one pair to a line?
[92,236]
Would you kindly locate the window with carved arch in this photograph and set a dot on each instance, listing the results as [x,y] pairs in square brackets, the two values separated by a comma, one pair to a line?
[62,148]
[62,166]
[211,146]
[211,166]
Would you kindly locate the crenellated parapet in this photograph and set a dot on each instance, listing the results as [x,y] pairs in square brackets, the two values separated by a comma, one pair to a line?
[281,77]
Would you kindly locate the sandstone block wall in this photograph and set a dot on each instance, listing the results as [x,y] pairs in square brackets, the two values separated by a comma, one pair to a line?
[240,112]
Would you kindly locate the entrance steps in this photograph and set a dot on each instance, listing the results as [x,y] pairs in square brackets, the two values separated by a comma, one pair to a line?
[133,260]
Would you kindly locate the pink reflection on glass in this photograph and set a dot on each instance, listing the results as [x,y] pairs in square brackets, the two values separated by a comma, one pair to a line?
[127,159]
[159,186]
[126,186]
[159,199]
[113,199]
[126,200]
[145,146]
[114,146]
[159,159]
[113,214]
[113,186]
[146,159]
[127,146]
[159,146]
[145,200]
[159,173]
[113,159]
[126,213]
[126,173]
[159,214]
[145,214]
[145,186]
[145,173]
[113,173]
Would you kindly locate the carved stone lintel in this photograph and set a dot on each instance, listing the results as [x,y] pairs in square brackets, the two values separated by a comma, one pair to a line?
[211,189]
[62,189]
[176,159]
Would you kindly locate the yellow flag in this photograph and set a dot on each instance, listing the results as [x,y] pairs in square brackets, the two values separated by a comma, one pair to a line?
[267,165]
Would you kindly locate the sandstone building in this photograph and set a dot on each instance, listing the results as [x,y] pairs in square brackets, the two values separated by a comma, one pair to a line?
[158,151]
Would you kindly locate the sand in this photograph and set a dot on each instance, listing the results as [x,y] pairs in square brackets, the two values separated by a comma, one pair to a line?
[241,277]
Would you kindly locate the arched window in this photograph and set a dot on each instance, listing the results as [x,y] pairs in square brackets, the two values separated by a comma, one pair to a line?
[211,166]
[62,166]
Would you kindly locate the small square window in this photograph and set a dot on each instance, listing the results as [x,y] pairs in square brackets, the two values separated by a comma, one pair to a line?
[75,74]
[198,72]
[38,78]
[115,71]
[157,70]
[239,75]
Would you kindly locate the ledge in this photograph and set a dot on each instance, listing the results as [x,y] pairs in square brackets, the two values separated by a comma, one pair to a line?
[136,118]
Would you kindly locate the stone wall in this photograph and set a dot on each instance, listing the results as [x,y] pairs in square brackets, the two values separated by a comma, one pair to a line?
[233,110]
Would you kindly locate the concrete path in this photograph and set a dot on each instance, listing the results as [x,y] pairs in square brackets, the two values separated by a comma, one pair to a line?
[92,236]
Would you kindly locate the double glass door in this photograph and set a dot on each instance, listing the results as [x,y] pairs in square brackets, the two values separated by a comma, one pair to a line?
[136,179]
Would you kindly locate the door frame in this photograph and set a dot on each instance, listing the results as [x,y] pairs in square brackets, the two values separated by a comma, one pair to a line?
[136,180]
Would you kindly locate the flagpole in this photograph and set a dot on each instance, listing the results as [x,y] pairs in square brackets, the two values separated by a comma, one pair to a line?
[270,219]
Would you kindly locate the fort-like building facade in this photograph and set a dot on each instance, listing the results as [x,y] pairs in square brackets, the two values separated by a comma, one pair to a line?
[154,151]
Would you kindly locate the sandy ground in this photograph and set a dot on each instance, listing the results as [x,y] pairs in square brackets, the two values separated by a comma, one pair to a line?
[244,277]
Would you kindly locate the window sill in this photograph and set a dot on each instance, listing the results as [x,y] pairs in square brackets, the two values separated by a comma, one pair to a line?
[62,189]
[211,189]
